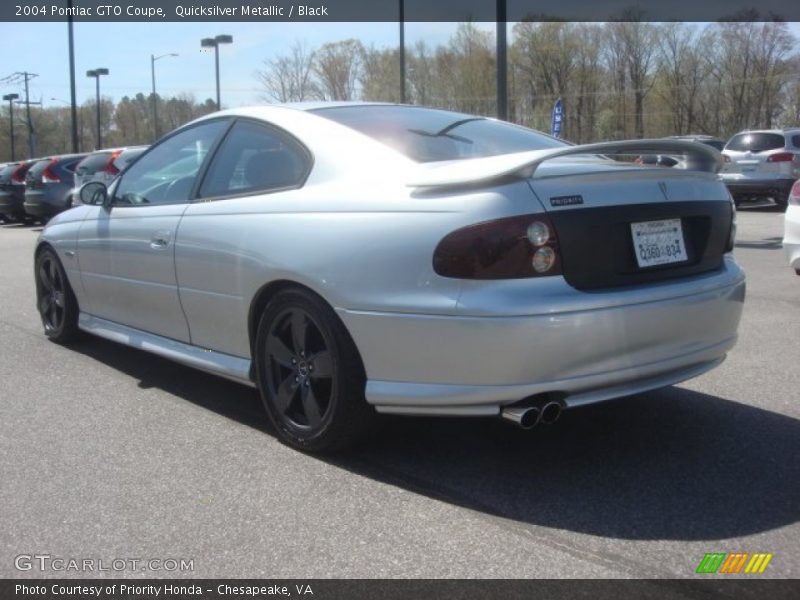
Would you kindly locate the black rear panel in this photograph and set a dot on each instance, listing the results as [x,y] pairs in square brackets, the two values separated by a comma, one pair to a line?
[597,246]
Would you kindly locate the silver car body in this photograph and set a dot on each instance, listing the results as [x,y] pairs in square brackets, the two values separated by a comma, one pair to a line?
[791,229]
[183,280]
[755,171]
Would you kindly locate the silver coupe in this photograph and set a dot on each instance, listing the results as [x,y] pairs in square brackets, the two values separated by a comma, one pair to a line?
[353,259]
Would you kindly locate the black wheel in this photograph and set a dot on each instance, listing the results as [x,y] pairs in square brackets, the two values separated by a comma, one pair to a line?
[310,375]
[55,300]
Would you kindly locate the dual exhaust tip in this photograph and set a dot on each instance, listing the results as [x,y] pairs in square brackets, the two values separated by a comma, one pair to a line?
[545,411]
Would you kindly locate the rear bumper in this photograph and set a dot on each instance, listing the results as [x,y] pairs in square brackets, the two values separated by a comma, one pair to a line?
[41,204]
[791,236]
[12,205]
[452,365]
[743,186]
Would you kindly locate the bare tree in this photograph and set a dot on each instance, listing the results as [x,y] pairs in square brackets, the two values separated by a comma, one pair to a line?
[289,78]
[338,66]
[636,44]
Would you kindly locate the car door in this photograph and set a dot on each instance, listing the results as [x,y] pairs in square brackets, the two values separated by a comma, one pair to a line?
[126,247]
[250,183]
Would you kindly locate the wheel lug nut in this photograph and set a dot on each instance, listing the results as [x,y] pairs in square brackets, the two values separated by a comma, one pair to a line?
[294,361]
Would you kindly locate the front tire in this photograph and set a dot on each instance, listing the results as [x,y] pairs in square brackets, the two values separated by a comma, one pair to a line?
[310,375]
[55,300]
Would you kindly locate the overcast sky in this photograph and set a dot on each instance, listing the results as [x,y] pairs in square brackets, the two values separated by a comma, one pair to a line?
[125,49]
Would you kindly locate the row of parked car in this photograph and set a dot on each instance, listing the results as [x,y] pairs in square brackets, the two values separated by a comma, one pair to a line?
[40,188]
[758,164]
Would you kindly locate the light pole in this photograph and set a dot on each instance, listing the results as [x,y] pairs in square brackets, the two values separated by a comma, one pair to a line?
[11,98]
[96,73]
[214,43]
[153,60]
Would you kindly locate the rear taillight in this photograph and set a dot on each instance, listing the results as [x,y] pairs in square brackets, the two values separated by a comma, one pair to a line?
[110,167]
[794,194]
[781,157]
[732,232]
[18,176]
[511,248]
[48,176]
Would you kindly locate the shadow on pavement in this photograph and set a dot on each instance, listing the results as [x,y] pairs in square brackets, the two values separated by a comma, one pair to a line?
[773,243]
[672,464]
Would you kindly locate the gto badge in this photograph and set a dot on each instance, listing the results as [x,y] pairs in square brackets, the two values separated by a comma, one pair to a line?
[566,200]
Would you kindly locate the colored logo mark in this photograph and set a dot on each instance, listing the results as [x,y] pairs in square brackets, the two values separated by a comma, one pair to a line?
[734,563]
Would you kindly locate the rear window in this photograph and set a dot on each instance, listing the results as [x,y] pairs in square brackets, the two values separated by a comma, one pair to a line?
[714,144]
[427,135]
[93,163]
[38,168]
[755,142]
[7,171]
[127,157]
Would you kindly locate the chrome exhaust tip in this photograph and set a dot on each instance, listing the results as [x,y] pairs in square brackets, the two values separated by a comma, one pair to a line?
[550,413]
[526,417]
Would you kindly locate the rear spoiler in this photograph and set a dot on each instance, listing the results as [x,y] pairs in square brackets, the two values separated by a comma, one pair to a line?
[700,157]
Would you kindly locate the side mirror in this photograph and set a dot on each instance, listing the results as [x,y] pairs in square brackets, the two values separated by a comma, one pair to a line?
[94,193]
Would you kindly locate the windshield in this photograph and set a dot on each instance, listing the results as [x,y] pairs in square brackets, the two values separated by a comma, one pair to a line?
[427,135]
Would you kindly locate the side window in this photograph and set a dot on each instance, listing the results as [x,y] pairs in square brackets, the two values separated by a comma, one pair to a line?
[167,174]
[255,158]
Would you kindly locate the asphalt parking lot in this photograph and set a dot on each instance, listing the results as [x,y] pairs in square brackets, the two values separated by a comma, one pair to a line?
[107,452]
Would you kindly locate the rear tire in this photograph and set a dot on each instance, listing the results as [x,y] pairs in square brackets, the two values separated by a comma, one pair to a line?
[55,300]
[310,375]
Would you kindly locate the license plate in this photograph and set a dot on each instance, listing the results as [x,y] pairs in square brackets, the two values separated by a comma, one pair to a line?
[658,242]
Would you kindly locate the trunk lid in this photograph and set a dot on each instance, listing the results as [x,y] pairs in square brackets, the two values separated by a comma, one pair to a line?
[599,212]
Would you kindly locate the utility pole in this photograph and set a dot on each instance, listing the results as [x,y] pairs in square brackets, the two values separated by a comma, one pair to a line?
[18,77]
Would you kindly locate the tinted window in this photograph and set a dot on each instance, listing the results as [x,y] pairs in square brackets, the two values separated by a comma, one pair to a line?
[755,142]
[38,168]
[796,141]
[93,163]
[127,157]
[255,158]
[427,135]
[714,144]
[167,173]
[7,171]
[69,164]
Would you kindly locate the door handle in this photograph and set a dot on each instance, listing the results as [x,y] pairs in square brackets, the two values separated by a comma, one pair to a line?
[160,239]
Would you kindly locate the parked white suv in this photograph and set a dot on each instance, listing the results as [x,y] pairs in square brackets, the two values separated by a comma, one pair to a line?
[763,163]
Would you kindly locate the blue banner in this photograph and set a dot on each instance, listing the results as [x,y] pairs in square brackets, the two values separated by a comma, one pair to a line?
[557,119]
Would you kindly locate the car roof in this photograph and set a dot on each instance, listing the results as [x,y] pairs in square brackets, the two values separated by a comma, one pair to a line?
[776,131]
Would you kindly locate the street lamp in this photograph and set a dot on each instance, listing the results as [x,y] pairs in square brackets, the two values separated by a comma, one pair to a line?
[153,60]
[11,98]
[214,43]
[96,73]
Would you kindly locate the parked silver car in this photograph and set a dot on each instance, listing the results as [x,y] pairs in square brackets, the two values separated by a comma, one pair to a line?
[762,164]
[353,258]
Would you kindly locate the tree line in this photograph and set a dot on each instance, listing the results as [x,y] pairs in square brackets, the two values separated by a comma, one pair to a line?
[616,80]
[128,122]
